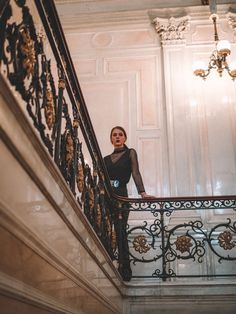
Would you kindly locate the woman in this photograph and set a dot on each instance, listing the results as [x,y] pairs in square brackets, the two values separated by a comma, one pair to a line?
[121,164]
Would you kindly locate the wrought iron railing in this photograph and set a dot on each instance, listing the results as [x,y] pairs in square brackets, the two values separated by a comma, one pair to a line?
[171,245]
[37,62]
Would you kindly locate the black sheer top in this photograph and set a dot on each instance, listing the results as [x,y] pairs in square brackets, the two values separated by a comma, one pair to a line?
[120,165]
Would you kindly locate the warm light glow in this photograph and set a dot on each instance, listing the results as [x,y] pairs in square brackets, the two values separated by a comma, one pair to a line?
[193,103]
[197,65]
[225,99]
[232,65]
[223,44]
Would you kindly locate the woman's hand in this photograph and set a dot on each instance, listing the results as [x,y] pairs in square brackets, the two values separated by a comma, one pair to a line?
[145,195]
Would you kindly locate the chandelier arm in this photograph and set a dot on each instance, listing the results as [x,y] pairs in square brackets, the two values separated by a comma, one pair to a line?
[206,73]
[218,58]
[231,73]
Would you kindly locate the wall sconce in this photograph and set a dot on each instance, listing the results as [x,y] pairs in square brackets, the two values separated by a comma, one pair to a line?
[218,57]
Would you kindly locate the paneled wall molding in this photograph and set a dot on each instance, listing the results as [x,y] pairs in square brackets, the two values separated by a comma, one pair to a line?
[135,69]
[172,30]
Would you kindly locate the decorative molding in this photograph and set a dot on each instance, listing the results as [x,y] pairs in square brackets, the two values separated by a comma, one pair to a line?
[172,30]
[59,263]
[102,40]
[15,289]
[231,18]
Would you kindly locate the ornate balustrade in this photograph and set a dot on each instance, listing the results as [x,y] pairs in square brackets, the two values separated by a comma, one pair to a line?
[201,247]
[35,59]
[37,63]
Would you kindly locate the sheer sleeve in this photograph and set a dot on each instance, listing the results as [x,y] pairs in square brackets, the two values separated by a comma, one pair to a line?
[135,171]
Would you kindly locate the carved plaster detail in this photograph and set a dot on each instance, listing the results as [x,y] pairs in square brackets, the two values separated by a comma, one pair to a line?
[231,18]
[102,40]
[171,30]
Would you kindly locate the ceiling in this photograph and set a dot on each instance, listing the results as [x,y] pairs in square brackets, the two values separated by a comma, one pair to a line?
[102,6]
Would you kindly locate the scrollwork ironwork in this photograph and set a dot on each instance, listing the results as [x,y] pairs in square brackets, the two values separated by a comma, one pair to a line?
[23,61]
[169,205]
[188,243]
[221,237]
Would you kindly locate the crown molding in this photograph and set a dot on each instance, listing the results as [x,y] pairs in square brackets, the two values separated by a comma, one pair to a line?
[73,19]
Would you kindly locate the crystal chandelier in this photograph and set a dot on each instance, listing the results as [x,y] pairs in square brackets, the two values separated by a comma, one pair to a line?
[218,57]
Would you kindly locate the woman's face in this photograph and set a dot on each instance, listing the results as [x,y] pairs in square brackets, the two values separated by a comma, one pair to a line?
[118,138]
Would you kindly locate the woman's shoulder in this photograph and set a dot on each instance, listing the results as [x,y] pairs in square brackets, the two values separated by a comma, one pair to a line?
[107,156]
[132,152]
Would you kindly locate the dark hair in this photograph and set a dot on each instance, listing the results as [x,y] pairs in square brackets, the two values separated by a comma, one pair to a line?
[120,128]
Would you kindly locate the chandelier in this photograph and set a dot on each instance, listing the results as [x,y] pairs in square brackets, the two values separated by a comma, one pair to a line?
[218,57]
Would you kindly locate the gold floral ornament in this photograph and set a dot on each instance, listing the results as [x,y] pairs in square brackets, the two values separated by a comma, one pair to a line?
[91,198]
[140,244]
[76,123]
[69,149]
[109,227]
[225,240]
[99,215]
[41,33]
[80,178]
[49,109]
[61,83]
[183,243]
[102,176]
[95,173]
[27,49]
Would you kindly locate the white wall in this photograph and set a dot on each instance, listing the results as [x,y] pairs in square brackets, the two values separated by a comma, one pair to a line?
[183,128]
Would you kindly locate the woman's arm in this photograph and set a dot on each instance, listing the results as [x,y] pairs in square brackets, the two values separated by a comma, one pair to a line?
[136,173]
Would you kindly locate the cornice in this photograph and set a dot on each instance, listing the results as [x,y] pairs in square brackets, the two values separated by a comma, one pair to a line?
[74,20]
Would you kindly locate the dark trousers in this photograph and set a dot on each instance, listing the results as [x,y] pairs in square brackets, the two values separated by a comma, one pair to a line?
[120,224]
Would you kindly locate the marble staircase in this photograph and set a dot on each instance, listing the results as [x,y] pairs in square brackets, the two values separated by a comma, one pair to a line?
[51,260]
